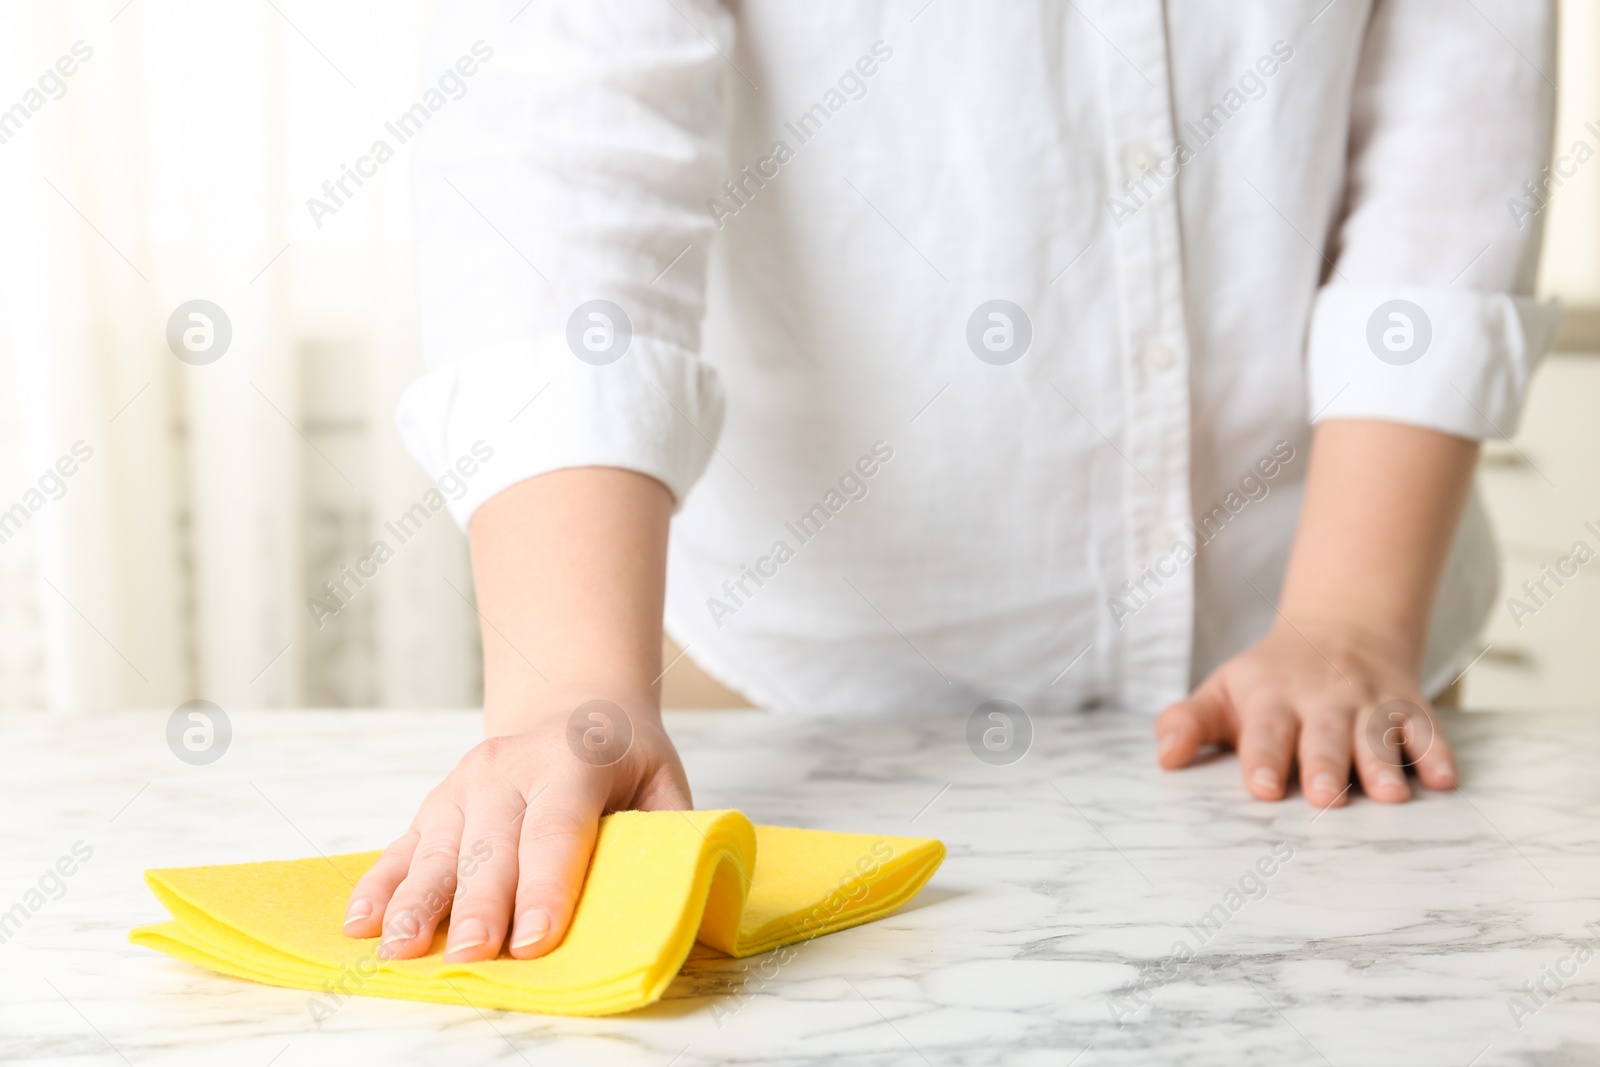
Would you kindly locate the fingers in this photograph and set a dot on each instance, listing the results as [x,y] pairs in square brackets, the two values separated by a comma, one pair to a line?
[364,913]
[423,897]
[1385,740]
[1186,726]
[1377,743]
[1425,748]
[1267,734]
[1407,731]
[1325,755]
[558,835]
[486,877]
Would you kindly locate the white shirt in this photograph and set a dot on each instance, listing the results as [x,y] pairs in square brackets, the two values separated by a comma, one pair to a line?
[1199,214]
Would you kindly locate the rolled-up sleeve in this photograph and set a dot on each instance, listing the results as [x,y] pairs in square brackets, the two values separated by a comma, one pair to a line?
[562,233]
[1427,315]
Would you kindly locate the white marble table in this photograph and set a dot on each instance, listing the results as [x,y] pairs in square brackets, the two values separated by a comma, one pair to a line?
[1391,935]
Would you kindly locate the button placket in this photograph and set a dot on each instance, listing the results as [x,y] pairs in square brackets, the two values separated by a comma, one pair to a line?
[1138,157]
[1156,636]
[1158,356]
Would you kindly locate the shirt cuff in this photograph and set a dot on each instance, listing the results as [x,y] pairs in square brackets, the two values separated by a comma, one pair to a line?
[490,419]
[1449,360]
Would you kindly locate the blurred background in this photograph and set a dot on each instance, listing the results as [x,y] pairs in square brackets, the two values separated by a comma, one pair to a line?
[207,504]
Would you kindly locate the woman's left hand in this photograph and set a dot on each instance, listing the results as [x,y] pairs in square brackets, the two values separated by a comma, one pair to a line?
[1327,694]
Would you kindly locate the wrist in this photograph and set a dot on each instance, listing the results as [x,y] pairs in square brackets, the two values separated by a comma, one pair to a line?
[522,709]
[1356,627]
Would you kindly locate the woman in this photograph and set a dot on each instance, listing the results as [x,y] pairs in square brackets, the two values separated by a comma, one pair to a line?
[1063,353]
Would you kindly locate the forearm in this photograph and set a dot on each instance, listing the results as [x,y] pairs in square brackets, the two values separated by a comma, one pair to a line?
[1381,507]
[570,569]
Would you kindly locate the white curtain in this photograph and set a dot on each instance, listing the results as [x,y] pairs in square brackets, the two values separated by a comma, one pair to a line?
[163,523]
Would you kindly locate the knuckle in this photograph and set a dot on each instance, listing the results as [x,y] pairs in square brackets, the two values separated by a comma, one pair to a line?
[1317,725]
[405,915]
[488,853]
[1371,757]
[437,851]
[420,907]
[1367,690]
[1325,744]
[490,752]
[1270,731]
[488,846]
[440,796]
[545,891]
[405,925]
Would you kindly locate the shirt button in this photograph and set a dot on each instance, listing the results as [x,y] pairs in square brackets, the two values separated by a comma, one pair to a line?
[1139,157]
[1158,356]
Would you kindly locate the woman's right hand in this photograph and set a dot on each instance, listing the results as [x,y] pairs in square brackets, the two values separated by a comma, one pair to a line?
[569,569]
[502,845]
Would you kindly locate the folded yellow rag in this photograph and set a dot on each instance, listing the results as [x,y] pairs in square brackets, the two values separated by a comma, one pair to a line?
[658,882]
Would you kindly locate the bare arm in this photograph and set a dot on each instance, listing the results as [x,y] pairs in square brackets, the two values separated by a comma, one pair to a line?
[570,569]
[1381,508]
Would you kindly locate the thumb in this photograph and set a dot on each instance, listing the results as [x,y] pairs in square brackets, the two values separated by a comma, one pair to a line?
[1201,719]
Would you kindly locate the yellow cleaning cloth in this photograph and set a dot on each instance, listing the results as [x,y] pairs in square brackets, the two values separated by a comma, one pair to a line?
[658,882]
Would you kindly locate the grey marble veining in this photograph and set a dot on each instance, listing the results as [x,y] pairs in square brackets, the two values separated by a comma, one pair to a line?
[1381,935]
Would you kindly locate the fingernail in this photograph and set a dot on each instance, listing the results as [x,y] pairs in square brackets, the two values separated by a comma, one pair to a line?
[1389,779]
[1166,743]
[359,909]
[1444,774]
[1325,783]
[388,946]
[469,933]
[531,928]
[1265,777]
